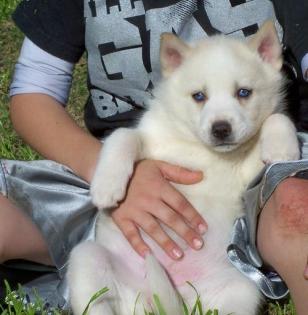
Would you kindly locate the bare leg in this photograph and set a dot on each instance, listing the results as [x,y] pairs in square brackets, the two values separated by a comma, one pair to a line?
[19,237]
[283,237]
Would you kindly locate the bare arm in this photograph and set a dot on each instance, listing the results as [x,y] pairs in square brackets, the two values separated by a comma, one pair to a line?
[45,125]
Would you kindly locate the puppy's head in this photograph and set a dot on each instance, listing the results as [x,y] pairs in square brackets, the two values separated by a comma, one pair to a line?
[222,89]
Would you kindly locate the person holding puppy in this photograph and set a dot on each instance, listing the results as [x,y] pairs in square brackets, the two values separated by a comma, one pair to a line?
[55,194]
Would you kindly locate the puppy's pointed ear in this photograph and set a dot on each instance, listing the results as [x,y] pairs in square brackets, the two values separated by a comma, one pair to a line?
[267,44]
[172,53]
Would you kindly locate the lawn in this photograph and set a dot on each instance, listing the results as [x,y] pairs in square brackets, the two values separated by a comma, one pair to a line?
[12,147]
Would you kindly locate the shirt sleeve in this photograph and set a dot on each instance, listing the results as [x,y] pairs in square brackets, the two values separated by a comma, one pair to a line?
[293,17]
[37,71]
[56,26]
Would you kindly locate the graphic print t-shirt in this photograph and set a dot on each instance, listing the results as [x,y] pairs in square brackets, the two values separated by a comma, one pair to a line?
[122,40]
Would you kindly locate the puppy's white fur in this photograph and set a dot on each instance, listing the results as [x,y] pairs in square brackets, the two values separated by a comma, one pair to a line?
[179,130]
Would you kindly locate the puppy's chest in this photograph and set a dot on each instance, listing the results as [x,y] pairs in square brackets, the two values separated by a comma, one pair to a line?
[223,176]
[218,197]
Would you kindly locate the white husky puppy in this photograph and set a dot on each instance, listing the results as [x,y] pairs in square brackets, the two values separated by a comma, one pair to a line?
[218,110]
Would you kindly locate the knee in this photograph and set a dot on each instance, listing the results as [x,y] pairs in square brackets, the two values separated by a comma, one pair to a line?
[289,207]
[283,223]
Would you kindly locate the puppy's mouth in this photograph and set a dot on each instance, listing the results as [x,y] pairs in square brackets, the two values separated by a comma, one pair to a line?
[225,146]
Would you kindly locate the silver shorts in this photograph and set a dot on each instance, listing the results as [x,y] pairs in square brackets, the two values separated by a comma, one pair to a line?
[60,205]
[242,251]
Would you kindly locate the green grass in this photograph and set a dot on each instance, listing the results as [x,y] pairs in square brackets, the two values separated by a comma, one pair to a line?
[6,8]
[12,147]
[17,303]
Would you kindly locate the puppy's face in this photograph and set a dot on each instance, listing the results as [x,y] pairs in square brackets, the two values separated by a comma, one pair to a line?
[223,89]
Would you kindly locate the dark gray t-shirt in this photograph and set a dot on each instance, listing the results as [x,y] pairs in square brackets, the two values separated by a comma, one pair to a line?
[121,38]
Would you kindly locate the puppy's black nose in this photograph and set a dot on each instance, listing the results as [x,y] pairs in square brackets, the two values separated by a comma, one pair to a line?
[221,129]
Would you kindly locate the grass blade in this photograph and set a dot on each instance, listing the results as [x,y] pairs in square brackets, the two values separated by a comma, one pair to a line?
[160,308]
[95,297]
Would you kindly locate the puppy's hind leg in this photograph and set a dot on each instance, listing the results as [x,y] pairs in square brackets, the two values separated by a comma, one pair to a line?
[115,167]
[236,296]
[89,271]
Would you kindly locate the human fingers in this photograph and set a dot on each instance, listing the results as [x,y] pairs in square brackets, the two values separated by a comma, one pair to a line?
[175,222]
[132,234]
[173,198]
[178,174]
[151,226]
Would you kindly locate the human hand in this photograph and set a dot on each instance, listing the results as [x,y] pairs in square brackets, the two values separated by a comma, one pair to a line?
[152,199]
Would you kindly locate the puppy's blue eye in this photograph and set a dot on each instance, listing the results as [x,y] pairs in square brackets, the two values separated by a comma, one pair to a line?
[199,97]
[243,93]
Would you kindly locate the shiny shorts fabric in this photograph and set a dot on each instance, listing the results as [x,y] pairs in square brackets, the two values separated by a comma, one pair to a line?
[60,205]
[242,251]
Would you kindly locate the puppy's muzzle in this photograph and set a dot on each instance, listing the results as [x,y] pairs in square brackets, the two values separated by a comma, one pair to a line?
[221,130]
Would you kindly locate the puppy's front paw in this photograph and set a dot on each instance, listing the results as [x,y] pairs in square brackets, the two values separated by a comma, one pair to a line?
[108,187]
[278,151]
[279,140]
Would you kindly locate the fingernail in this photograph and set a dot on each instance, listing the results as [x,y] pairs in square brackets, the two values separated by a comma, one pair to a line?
[202,228]
[197,243]
[200,174]
[145,253]
[177,253]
